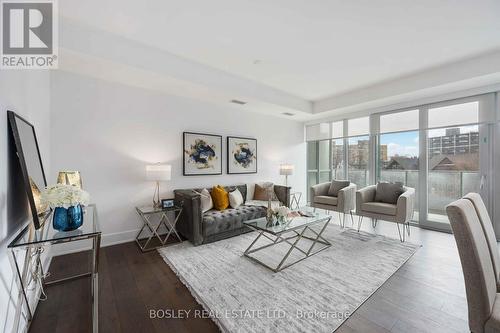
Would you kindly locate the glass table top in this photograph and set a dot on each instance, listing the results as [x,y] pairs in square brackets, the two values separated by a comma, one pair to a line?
[47,234]
[292,223]
[153,210]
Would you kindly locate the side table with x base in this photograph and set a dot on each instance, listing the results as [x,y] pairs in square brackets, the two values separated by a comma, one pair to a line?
[146,213]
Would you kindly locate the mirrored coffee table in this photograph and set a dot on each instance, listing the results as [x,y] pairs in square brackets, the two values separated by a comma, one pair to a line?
[290,233]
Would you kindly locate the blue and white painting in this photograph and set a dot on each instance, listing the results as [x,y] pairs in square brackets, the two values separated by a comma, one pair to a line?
[242,155]
[202,154]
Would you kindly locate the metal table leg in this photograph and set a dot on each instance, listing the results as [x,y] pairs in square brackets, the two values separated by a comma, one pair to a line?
[96,242]
[293,245]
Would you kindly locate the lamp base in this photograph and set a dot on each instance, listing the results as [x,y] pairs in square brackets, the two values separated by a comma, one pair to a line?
[156,196]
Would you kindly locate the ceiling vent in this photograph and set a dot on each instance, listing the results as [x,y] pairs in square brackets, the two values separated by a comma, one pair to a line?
[288,114]
[235,101]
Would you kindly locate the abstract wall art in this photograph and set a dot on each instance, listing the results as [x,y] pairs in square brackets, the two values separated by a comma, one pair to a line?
[241,155]
[202,154]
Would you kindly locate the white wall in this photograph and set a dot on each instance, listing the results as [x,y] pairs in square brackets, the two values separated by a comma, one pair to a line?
[27,93]
[110,131]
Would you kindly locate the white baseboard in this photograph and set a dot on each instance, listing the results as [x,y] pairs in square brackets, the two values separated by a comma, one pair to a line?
[106,240]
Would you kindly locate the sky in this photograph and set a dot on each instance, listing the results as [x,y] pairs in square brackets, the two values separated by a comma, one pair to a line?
[406,143]
[402,144]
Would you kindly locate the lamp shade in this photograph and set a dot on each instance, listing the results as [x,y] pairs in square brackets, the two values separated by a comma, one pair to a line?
[286,169]
[158,172]
[70,178]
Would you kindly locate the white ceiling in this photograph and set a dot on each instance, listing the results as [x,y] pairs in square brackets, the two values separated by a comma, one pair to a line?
[321,51]
[312,49]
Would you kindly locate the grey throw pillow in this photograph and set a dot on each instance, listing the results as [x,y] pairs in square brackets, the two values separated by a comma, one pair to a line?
[388,192]
[336,186]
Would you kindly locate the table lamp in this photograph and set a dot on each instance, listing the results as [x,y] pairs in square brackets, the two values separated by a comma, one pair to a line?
[286,170]
[70,178]
[158,173]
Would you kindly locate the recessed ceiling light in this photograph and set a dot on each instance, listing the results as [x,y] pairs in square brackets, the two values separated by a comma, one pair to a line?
[288,114]
[236,101]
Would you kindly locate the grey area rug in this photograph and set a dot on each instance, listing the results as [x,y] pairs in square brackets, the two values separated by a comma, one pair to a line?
[314,295]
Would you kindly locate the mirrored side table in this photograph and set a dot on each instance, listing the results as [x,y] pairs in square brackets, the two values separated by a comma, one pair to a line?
[155,234]
[29,244]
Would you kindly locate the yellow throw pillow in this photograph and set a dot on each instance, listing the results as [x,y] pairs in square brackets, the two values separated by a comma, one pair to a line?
[220,197]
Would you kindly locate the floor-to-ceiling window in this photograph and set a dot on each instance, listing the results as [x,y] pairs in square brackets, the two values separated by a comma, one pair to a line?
[398,149]
[312,164]
[358,156]
[338,163]
[453,156]
[443,150]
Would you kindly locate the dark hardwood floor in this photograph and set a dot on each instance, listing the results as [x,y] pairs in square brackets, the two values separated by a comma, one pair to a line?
[427,294]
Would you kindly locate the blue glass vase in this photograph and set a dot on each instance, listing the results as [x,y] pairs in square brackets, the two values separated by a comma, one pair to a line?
[67,219]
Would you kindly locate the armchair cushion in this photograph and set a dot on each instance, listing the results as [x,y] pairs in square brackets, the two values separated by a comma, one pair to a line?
[336,186]
[326,200]
[388,192]
[379,208]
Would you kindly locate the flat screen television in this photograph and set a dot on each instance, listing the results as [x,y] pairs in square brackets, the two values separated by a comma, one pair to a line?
[30,162]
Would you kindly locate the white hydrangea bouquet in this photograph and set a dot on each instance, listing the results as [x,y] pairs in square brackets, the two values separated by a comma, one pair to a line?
[281,214]
[65,196]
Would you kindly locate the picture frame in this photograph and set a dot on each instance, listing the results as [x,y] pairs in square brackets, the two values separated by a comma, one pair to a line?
[167,203]
[241,155]
[202,154]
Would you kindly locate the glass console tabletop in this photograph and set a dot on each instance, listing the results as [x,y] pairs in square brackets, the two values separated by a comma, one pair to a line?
[47,234]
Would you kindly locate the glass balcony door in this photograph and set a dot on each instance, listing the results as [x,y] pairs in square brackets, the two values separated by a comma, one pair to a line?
[453,167]
[398,160]
[456,145]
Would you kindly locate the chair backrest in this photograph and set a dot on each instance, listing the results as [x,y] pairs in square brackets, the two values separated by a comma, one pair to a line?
[485,220]
[480,282]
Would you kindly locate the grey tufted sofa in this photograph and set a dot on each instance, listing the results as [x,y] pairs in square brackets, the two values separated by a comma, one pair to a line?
[213,225]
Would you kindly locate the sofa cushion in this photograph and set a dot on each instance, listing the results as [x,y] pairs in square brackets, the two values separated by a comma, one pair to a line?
[215,222]
[206,200]
[262,192]
[336,186]
[250,189]
[220,197]
[235,199]
[379,208]
[326,200]
[388,192]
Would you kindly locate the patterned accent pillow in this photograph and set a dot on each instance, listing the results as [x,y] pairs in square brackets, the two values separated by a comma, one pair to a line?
[220,197]
[235,198]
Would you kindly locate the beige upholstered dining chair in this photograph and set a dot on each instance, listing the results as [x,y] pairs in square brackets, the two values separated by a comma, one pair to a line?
[480,283]
[337,196]
[488,231]
[389,202]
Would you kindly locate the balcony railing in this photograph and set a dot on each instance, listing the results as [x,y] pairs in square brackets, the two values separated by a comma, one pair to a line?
[444,187]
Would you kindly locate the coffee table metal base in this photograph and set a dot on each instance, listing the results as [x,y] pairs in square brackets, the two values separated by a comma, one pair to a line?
[292,240]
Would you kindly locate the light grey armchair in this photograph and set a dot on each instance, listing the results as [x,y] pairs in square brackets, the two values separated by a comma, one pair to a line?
[393,207]
[343,203]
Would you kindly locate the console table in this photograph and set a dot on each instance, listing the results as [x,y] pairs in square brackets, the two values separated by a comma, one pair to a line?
[32,242]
